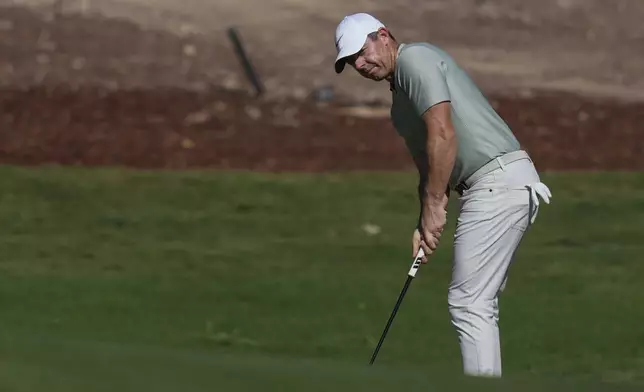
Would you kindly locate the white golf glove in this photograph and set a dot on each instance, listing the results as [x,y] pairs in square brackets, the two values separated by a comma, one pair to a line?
[537,190]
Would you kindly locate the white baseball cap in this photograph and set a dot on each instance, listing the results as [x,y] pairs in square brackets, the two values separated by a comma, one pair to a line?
[351,34]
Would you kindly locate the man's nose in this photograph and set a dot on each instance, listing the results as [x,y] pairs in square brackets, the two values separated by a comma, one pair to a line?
[359,63]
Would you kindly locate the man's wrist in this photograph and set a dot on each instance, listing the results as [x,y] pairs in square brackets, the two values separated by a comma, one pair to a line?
[434,198]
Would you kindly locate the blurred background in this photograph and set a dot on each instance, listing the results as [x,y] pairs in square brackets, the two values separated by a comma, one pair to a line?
[557,71]
[189,188]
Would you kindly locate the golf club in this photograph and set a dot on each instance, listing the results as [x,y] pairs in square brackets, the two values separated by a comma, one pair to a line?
[410,275]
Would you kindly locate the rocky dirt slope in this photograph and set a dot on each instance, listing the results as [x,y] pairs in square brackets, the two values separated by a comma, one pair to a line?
[92,90]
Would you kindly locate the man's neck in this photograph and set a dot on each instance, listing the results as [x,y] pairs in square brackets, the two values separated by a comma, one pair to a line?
[394,56]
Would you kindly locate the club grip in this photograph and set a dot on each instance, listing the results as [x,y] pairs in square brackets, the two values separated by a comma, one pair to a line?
[416,264]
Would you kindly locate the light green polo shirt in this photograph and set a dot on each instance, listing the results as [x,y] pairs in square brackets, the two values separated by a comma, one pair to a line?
[426,75]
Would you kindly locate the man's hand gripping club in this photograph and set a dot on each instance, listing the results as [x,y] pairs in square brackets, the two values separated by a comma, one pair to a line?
[431,224]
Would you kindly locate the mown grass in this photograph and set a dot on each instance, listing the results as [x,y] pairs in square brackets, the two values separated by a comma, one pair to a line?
[131,280]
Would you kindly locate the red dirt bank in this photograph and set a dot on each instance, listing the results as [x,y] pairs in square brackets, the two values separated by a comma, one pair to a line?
[179,129]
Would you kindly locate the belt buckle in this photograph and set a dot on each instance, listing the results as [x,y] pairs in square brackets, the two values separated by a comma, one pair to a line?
[460,188]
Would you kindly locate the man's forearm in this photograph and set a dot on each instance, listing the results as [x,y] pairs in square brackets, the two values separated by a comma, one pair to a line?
[421,197]
[441,153]
[441,162]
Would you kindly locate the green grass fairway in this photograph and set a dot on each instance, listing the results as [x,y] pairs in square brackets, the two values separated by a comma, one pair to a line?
[115,280]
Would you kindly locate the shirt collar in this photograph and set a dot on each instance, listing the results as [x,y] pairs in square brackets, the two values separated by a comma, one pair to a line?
[392,83]
[400,46]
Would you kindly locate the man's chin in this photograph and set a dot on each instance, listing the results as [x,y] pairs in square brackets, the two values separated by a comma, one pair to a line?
[376,78]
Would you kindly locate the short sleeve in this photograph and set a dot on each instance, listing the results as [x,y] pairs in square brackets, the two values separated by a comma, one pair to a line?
[421,74]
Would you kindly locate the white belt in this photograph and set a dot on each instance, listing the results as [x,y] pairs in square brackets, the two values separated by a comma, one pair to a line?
[494,164]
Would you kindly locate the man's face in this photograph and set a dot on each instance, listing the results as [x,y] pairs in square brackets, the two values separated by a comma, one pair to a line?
[375,60]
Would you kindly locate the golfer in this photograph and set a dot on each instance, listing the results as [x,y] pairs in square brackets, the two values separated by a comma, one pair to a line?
[458,143]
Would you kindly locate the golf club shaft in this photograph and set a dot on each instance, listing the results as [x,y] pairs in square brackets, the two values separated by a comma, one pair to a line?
[391,318]
[410,276]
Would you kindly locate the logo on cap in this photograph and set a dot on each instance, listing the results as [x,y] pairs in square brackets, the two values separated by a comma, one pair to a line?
[337,42]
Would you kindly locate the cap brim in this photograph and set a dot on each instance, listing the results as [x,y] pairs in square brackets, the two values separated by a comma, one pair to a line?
[347,51]
[339,65]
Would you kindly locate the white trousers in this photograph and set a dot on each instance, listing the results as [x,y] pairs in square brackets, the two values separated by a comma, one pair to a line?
[495,212]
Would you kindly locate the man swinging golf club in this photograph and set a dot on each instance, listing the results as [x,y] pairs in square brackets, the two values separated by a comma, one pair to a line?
[458,143]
